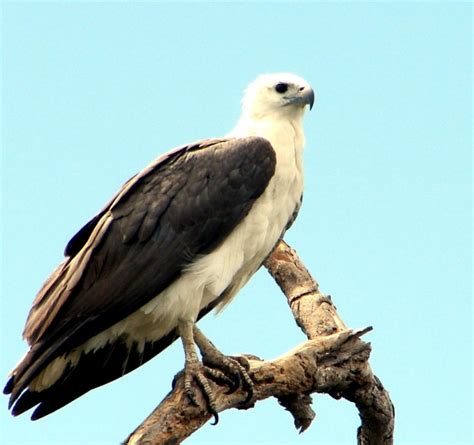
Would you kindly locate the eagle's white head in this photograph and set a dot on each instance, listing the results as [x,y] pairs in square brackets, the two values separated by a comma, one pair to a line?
[272,99]
[280,93]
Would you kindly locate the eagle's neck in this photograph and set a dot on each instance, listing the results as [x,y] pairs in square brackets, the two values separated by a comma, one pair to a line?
[284,131]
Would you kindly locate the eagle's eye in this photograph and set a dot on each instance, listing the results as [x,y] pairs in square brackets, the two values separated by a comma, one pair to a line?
[281,88]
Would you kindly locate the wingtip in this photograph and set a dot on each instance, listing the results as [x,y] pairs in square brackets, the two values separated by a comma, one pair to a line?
[27,401]
[13,398]
[9,385]
[36,416]
[15,409]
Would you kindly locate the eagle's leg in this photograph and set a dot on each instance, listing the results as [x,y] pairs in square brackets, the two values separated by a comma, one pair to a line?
[194,370]
[232,368]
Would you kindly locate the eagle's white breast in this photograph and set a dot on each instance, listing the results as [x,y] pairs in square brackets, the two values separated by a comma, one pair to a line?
[230,265]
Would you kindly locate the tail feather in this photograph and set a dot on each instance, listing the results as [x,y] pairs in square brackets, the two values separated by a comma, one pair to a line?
[93,369]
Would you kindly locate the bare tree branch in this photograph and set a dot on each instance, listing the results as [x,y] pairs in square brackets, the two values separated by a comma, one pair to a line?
[334,361]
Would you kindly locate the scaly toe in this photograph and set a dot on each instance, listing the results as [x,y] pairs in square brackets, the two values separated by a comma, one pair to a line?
[196,372]
[203,383]
[236,372]
[188,387]
[247,383]
[218,376]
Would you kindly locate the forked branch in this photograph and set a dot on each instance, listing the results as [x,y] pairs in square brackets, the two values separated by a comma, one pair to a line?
[334,361]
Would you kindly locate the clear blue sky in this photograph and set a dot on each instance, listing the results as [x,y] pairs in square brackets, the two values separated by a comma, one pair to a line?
[94,91]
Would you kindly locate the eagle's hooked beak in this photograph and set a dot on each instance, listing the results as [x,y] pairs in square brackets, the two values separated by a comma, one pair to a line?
[305,96]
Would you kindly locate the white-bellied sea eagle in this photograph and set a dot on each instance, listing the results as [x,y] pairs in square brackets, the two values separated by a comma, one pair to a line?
[179,239]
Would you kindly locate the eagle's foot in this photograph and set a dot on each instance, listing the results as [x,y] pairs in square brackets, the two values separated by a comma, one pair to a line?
[235,369]
[195,372]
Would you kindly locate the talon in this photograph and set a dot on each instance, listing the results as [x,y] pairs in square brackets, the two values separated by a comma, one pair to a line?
[232,388]
[235,368]
[216,418]
[208,394]
[243,365]
[232,371]
[249,396]
[195,372]
[241,375]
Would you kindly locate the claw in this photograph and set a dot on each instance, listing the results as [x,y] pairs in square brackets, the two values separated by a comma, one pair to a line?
[243,366]
[232,371]
[194,372]
[234,368]
[208,395]
[232,374]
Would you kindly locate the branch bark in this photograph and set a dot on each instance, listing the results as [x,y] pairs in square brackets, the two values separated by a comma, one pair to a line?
[334,361]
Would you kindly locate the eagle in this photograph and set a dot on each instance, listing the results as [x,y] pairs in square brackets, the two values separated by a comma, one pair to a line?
[178,240]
